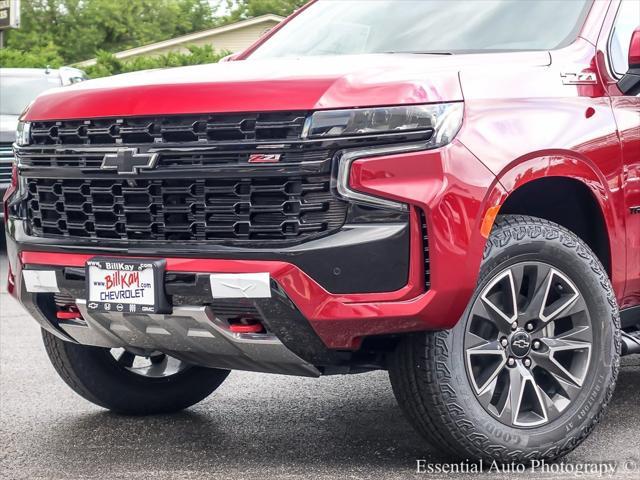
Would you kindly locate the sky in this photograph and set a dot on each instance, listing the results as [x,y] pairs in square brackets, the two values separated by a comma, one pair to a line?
[219,7]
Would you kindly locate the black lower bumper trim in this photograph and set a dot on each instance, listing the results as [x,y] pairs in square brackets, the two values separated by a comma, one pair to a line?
[360,258]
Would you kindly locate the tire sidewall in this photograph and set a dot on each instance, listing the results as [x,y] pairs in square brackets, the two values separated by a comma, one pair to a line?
[94,373]
[575,260]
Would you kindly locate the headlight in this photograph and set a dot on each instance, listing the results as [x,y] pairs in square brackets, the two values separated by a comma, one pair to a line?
[23,134]
[443,120]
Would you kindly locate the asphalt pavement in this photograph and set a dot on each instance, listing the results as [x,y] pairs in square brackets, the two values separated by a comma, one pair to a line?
[256,426]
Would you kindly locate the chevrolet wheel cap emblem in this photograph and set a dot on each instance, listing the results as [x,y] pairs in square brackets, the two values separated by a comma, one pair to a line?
[128,160]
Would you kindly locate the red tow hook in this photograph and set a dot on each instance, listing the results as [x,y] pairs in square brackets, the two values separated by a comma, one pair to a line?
[68,315]
[246,328]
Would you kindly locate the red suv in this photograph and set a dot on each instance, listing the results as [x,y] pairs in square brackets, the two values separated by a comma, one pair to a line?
[446,190]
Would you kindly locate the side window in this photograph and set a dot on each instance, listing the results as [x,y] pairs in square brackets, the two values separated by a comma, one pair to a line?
[627,20]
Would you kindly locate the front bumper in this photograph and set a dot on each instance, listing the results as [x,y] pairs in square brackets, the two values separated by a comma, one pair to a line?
[445,188]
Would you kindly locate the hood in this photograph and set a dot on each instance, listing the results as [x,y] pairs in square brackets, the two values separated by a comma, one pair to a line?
[8,125]
[309,83]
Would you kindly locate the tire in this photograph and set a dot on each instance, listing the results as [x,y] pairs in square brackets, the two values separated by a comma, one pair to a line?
[95,374]
[439,378]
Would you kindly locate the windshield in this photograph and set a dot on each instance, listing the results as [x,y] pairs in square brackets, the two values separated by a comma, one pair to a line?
[348,27]
[16,92]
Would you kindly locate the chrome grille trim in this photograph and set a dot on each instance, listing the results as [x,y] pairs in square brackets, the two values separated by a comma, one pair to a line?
[172,157]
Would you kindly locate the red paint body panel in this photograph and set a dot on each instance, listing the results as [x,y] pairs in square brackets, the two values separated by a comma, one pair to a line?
[626,110]
[284,84]
[524,120]
[449,185]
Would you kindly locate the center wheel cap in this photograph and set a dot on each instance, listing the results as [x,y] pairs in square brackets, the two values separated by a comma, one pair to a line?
[520,344]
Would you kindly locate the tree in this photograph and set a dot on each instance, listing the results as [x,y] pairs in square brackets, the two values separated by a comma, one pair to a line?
[241,9]
[107,64]
[37,57]
[79,28]
[62,32]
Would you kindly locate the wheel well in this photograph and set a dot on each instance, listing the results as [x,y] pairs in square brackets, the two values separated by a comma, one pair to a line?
[566,202]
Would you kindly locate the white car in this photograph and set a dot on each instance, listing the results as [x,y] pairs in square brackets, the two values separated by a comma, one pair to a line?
[19,86]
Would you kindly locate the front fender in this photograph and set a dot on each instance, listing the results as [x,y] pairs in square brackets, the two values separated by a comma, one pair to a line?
[606,191]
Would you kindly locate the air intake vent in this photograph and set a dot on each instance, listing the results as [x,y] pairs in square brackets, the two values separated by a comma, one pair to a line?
[425,250]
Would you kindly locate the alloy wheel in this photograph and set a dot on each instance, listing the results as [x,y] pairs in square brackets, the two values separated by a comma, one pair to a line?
[528,343]
[155,365]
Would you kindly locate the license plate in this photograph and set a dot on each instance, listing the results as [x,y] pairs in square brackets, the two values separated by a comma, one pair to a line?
[125,286]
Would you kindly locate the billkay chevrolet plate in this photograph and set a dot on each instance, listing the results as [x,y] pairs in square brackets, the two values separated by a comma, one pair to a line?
[122,286]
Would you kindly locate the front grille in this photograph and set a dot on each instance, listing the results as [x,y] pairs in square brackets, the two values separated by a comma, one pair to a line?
[254,208]
[268,126]
[204,186]
[6,162]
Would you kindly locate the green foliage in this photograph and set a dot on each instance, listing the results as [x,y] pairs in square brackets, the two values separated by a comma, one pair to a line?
[63,32]
[38,57]
[241,9]
[107,64]
[79,28]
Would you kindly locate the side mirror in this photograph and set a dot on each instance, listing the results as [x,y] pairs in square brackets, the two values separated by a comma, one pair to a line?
[634,50]
[630,83]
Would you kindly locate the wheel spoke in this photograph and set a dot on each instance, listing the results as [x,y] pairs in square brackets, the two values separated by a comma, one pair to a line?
[493,316]
[485,396]
[537,293]
[558,344]
[581,334]
[155,369]
[577,306]
[516,386]
[576,373]
[156,365]
[502,288]
[173,365]
[523,388]
[126,359]
[555,406]
[519,273]
[490,385]
[486,348]
[490,371]
[567,297]
[472,341]
[556,370]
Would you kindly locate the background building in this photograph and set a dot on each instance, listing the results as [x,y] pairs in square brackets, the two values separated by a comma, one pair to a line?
[234,37]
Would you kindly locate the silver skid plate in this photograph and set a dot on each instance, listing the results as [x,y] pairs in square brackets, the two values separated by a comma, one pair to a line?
[193,334]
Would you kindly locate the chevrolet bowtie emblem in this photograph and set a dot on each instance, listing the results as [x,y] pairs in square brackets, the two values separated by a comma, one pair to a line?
[128,160]
[521,343]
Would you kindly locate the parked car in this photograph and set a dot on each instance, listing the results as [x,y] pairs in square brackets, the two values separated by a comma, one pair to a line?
[373,185]
[18,87]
